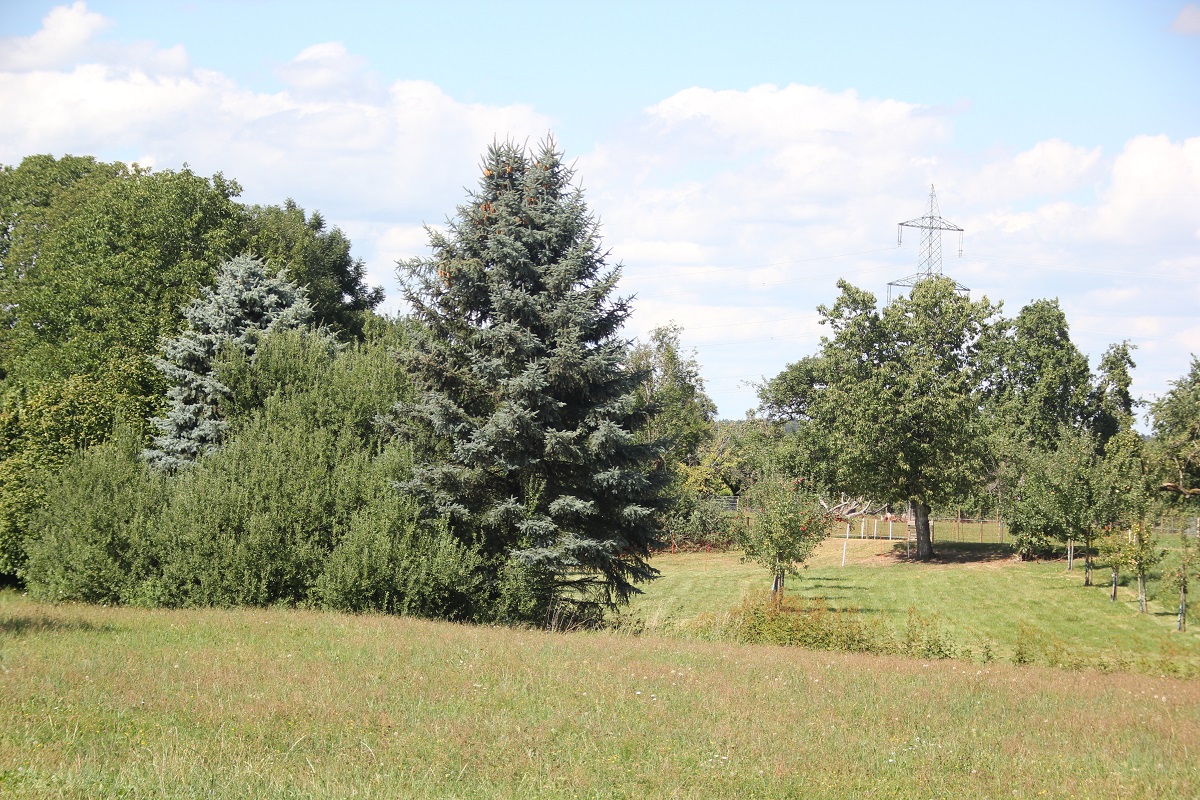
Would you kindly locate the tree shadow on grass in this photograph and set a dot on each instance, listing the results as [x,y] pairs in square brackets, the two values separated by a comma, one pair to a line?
[958,553]
[26,625]
[830,583]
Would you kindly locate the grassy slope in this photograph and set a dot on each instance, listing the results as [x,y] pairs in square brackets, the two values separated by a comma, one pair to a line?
[980,596]
[212,703]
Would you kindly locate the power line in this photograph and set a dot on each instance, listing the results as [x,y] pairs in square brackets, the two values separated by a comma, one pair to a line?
[789,338]
[764,283]
[1088,270]
[768,264]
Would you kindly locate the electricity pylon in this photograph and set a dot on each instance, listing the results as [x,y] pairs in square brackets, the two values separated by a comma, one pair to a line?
[930,263]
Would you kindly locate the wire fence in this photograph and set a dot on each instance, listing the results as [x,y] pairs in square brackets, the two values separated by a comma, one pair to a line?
[945,529]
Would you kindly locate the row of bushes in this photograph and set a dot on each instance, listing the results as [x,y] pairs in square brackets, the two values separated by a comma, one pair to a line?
[298,507]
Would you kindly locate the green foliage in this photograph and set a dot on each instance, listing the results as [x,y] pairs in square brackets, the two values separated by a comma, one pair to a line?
[40,429]
[738,454]
[890,409]
[1112,402]
[28,192]
[255,522]
[1056,495]
[316,259]
[697,521]
[287,512]
[244,307]
[100,257]
[784,523]
[672,396]
[1078,492]
[390,561]
[524,428]
[96,260]
[1041,382]
[1176,418]
[679,415]
[93,550]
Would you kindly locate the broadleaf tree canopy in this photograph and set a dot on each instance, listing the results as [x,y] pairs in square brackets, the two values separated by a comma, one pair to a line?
[893,398]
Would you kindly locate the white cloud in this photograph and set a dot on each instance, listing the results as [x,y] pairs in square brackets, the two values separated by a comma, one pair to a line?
[327,68]
[65,30]
[1154,193]
[1188,21]
[1048,168]
[375,152]
[785,182]
[734,211]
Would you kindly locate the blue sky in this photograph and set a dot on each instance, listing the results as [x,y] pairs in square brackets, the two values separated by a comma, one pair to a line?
[741,158]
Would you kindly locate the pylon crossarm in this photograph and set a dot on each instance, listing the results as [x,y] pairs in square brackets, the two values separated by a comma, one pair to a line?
[931,223]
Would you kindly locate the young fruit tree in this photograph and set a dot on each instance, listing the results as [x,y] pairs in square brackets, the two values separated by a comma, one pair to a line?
[1132,550]
[1185,569]
[783,525]
[524,432]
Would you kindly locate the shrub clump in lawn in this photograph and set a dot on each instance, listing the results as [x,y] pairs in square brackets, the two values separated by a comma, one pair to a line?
[813,624]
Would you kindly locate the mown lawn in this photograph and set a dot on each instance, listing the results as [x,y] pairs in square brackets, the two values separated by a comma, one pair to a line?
[115,702]
[978,592]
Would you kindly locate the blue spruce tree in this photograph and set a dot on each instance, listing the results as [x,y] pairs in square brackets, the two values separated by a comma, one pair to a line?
[246,303]
[524,430]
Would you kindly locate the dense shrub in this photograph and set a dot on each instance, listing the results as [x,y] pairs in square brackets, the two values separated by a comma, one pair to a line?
[94,537]
[390,561]
[811,623]
[695,522]
[299,506]
[255,522]
[806,622]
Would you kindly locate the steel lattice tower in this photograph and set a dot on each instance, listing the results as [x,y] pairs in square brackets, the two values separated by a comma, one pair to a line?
[930,263]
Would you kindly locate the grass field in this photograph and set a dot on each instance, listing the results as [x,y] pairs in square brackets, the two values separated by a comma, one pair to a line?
[114,702]
[978,592]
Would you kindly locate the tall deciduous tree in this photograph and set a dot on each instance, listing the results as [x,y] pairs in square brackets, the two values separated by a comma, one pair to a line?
[894,396]
[316,258]
[1176,418]
[678,409]
[1113,403]
[101,258]
[525,430]
[1041,382]
[246,303]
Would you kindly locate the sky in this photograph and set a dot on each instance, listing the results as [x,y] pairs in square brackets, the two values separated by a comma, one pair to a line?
[740,158]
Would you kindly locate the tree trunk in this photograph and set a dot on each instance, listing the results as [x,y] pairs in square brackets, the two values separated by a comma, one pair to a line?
[1070,554]
[1087,562]
[1113,596]
[777,588]
[1183,604]
[924,541]
[1141,592]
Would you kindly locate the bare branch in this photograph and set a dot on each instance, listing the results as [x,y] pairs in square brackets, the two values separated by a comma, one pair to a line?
[849,507]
